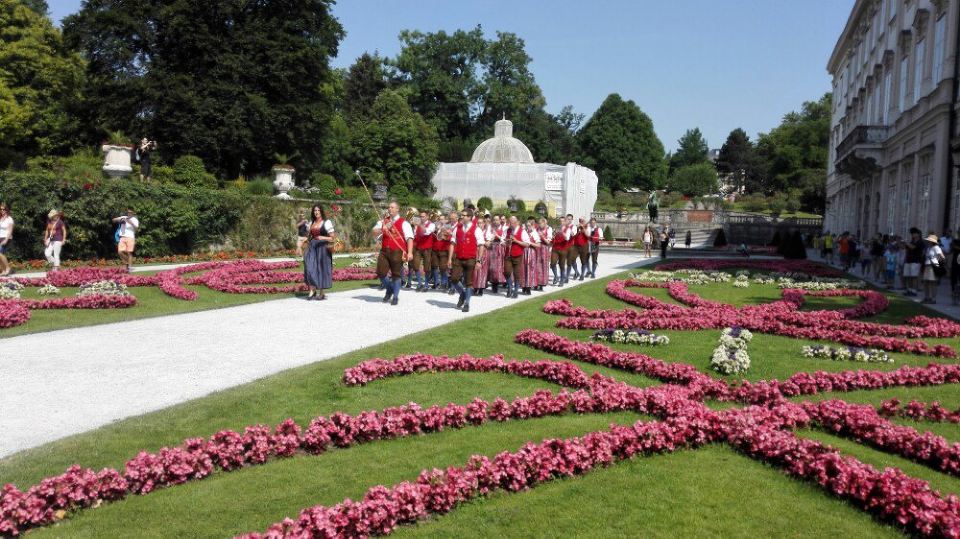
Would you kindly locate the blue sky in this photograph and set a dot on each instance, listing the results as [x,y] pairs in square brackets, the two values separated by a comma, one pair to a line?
[712,64]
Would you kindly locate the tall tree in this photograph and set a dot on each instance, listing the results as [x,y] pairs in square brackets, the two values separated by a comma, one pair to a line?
[508,87]
[441,73]
[40,7]
[619,143]
[738,159]
[362,84]
[795,153]
[694,180]
[233,82]
[692,150]
[39,84]
[551,138]
[397,143]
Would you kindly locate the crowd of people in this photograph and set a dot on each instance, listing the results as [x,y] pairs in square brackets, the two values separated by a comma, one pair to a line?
[915,264]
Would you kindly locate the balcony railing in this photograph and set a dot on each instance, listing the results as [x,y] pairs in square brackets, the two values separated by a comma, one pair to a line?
[862,135]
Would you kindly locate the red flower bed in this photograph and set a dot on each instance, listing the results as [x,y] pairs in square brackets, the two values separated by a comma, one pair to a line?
[919,411]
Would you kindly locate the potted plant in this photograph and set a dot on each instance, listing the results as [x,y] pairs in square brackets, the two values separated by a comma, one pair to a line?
[283,174]
[117,154]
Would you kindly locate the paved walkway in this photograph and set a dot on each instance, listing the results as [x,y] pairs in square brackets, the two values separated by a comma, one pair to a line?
[69,381]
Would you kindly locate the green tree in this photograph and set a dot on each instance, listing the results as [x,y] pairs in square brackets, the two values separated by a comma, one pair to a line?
[694,180]
[738,158]
[551,138]
[794,153]
[39,84]
[440,71]
[40,7]
[508,87]
[398,143]
[232,82]
[619,143]
[692,150]
[363,82]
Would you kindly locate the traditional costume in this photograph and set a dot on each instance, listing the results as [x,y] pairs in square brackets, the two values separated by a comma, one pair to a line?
[441,247]
[513,266]
[543,254]
[482,269]
[595,236]
[497,252]
[558,257]
[394,234]
[467,244]
[422,264]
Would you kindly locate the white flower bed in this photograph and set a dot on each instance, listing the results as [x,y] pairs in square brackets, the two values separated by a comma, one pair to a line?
[102,288]
[10,290]
[731,356]
[846,353]
[48,290]
[632,336]
[364,261]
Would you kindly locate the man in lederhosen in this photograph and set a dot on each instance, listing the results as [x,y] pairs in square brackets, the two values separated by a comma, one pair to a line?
[423,251]
[561,237]
[594,234]
[466,247]
[441,243]
[396,247]
[517,240]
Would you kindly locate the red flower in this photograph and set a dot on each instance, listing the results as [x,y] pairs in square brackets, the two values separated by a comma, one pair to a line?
[87,186]
[338,191]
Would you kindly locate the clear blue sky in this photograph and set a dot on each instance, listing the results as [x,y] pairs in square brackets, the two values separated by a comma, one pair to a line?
[713,64]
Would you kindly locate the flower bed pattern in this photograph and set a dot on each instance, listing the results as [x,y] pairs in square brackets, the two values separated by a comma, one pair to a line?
[105,286]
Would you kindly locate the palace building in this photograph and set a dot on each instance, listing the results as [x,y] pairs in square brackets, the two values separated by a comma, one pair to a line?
[894,145]
[502,168]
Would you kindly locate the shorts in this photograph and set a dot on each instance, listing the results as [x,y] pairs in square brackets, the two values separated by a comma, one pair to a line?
[126,245]
[390,261]
[929,275]
[911,270]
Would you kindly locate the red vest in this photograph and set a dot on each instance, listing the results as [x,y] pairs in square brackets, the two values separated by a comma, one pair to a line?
[517,250]
[423,242]
[595,236]
[466,247]
[559,242]
[393,239]
[440,245]
[580,238]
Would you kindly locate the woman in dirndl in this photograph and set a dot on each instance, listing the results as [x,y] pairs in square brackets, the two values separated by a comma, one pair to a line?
[546,240]
[318,259]
[531,263]
[482,269]
[496,252]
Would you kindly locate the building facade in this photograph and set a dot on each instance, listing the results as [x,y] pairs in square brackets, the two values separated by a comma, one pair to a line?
[893,138]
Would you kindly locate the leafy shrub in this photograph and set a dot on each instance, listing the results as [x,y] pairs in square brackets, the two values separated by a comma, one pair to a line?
[85,165]
[540,208]
[266,224]
[754,203]
[325,185]
[777,204]
[517,203]
[607,233]
[485,203]
[259,187]
[162,173]
[189,170]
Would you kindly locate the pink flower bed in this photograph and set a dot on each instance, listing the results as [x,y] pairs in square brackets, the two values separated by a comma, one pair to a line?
[779,266]
[919,411]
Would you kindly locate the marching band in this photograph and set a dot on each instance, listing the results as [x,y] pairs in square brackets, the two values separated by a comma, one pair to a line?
[467,253]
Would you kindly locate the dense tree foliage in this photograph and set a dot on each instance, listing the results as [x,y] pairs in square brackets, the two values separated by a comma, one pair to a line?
[232,82]
[739,161]
[619,143]
[694,180]
[39,84]
[364,81]
[692,149]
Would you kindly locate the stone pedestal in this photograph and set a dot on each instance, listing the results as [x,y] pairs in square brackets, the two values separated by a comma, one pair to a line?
[116,160]
[283,180]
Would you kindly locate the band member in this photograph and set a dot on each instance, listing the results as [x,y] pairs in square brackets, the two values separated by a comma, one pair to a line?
[395,249]
[531,262]
[496,254]
[595,235]
[558,258]
[467,246]
[441,243]
[482,269]
[518,239]
[546,239]
[580,244]
[423,251]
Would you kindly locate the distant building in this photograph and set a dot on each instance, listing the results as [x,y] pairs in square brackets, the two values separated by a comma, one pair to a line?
[502,168]
[893,122]
[713,155]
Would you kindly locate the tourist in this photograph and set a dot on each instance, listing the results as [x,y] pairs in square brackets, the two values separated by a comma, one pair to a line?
[946,242]
[647,241]
[843,248]
[558,257]
[581,243]
[6,236]
[672,234]
[441,244]
[498,229]
[934,267]
[664,242]
[482,267]
[890,264]
[318,259]
[466,246]
[54,237]
[595,235]
[688,239]
[518,239]
[422,265]
[545,231]
[127,237]
[396,248]
[143,151]
[302,226]
[827,253]
[914,249]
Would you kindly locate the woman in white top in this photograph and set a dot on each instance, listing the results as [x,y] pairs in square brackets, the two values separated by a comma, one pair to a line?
[317,259]
[647,241]
[934,265]
[6,235]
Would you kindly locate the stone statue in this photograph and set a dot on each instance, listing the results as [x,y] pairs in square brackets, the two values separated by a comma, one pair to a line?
[653,206]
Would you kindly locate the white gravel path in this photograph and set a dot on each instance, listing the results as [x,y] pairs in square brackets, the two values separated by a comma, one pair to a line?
[69,381]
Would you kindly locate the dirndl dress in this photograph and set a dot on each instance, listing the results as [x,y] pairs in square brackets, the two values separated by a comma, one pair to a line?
[495,264]
[530,267]
[481,270]
[318,265]
[544,259]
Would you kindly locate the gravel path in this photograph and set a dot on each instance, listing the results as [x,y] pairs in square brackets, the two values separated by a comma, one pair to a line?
[69,381]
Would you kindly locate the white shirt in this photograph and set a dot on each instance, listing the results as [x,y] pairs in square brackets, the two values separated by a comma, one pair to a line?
[407,229]
[328,225]
[524,236]
[128,227]
[428,229]
[490,234]
[547,234]
[5,225]
[534,236]
[931,255]
[477,233]
[566,232]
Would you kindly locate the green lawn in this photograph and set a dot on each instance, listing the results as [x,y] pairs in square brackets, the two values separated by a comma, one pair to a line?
[712,491]
[151,301]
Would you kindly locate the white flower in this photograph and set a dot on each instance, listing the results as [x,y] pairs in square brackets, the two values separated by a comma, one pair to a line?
[103,288]
[48,290]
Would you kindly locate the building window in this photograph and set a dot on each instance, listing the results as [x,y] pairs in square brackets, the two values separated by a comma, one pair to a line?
[905,210]
[918,57]
[939,43]
[887,95]
[902,98]
[923,206]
